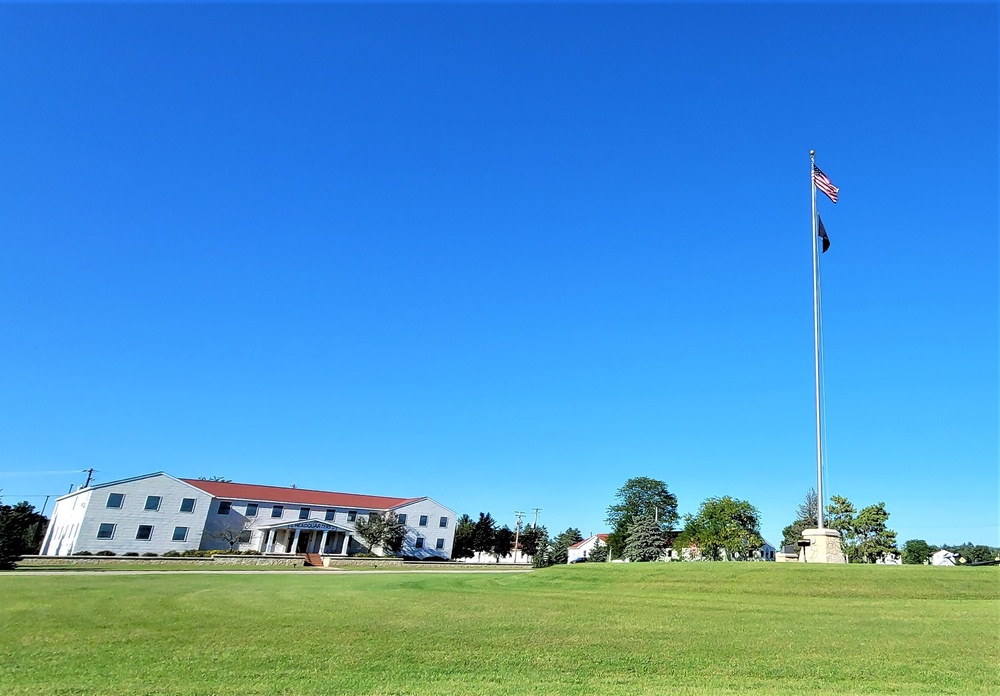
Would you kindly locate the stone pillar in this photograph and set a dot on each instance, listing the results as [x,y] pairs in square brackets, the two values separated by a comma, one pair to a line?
[295,542]
[824,547]
[322,542]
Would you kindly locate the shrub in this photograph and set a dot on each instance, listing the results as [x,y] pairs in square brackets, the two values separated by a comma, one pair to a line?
[130,553]
[172,554]
[83,553]
[150,553]
[105,552]
[366,555]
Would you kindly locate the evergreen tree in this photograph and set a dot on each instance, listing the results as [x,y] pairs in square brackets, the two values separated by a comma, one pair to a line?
[560,547]
[873,539]
[22,531]
[645,541]
[805,519]
[639,497]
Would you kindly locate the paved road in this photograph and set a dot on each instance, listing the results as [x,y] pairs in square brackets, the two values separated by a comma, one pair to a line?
[20,573]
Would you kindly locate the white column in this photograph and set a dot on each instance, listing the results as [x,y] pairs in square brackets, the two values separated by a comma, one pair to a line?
[269,541]
[347,543]
[322,543]
[295,542]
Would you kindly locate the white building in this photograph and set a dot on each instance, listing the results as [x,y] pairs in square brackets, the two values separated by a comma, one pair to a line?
[943,558]
[158,513]
[582,549]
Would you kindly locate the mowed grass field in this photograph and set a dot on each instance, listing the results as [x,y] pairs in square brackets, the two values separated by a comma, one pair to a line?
[683,628]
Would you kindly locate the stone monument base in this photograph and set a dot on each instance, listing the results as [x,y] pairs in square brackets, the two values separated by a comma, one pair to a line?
[824,547]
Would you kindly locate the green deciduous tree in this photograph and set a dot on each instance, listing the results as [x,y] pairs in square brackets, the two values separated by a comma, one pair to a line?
[645,541]
[974,553]
[503,542]
[465,529]
[840,516]
[561,544]
[639,497]
[483,534]
[917,551]
[381,529]
[724,527]
[21,532]
[873,538]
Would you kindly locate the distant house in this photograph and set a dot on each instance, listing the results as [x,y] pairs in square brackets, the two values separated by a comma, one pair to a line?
[582,549]
[764,553]
[891,558]
[944,558]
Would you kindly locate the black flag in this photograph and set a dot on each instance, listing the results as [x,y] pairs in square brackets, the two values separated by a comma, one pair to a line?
[822,234]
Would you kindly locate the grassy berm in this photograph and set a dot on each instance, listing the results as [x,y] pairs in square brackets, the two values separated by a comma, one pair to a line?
[684,628]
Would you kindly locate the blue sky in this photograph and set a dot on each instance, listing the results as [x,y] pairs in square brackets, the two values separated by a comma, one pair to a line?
[507,256]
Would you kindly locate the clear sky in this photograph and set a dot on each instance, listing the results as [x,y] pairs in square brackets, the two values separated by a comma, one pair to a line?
[506,256]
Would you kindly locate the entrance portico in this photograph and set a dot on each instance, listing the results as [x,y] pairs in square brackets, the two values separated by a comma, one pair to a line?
[305,536]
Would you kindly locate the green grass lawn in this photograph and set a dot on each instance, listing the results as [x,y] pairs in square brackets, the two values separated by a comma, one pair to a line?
[687,628]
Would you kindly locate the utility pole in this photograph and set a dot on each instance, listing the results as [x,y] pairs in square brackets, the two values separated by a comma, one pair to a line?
[517,532]
[45,504]
[535,523]
[90,475]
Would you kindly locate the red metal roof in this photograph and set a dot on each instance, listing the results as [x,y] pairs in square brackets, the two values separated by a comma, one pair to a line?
[602,537]
[300,496]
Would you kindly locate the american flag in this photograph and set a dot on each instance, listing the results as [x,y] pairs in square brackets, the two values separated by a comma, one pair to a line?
[824,184]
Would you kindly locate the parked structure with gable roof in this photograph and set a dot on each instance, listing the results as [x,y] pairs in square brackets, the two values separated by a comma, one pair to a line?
[158,513]
[582,549]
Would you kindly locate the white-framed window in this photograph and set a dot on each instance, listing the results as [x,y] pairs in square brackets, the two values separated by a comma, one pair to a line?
[401,518]
[251,509]
[144,532]
[106,531]
[423,520]
[277,510]
[187,504]
[115,500]
[304,513]
[420,543]
[443,522]
[439,544]
[152,503]
[245,536]
[352,515]
[331,515]
[180,534]
[225,506]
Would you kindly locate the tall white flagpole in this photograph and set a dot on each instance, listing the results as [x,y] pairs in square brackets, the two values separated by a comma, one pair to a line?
[816,310]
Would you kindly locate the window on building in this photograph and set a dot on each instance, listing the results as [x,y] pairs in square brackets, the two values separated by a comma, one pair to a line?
[277,510]
[152,502]
[352,515]
[106,531]
[144,532]
[224,507]
[330,515]
[443,522]
[439,545]
[187,505]
[245,536]
[180,534]
[303,513]
[401,518]
[251,509]
[420,543]
[423,520]
[115,500]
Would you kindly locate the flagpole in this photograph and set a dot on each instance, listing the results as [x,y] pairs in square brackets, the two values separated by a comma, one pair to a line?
[816,310]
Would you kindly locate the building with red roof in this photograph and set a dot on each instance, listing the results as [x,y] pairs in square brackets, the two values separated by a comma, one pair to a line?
[159,513]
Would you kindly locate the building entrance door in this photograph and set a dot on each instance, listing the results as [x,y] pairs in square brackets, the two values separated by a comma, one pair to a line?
[303,545]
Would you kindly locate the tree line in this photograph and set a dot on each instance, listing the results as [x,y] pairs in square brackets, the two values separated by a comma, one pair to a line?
[22,531]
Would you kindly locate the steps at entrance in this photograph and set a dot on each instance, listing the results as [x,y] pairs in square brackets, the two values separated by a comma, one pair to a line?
[313,559]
